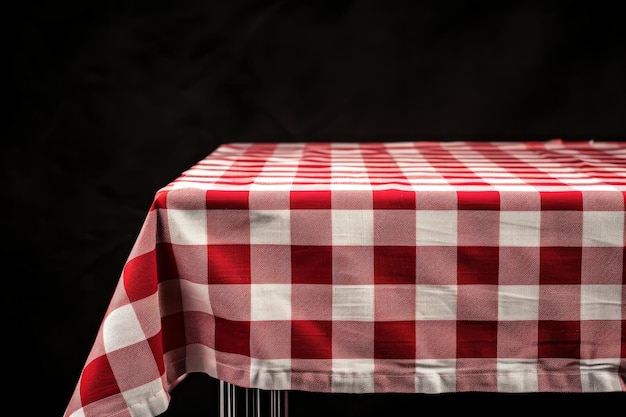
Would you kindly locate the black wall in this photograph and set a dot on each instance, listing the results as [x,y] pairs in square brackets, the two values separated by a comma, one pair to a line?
[105,102]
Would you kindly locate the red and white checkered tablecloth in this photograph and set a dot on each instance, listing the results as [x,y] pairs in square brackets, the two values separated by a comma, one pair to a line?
[424,267]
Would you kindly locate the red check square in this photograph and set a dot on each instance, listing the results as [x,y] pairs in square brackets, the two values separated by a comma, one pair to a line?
[99,368]
[173,332]
[560,265]
[144,266]
[478,200]
[314,199]
[232,336]
[559,339]
[225,199]
[394,264]
[562,200]
[311,339]
[229,264]
[394,340]
[311,264]
[478,264]
[477,339]
[393,199]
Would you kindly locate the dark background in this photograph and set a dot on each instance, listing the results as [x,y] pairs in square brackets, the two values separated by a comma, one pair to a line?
[105,102]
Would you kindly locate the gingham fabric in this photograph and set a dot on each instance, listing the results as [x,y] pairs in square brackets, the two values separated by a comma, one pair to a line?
[424,267]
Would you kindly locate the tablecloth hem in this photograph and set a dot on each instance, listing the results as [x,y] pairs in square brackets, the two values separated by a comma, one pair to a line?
[548,381]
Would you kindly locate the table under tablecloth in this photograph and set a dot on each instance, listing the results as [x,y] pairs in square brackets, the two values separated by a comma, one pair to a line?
[401,266]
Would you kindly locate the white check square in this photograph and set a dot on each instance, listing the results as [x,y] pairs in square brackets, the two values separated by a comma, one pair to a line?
[353,375]
[517,375]
[195,297]
[353,227]
[603,228]
[520,228]
[121,328]
[274,374]
[600,375]
[601,302]
[353,302]
[270,227]
[187,227]
[436,227]
[435,302]
[270,302]
[518,302]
